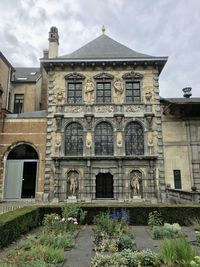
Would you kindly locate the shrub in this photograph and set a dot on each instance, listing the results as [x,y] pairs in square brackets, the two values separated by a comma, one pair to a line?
[64,240]
[147,258]
[126,242]
[15,223]
[74,211]
[175,252]
[130,257]
[103,223]
[155,219]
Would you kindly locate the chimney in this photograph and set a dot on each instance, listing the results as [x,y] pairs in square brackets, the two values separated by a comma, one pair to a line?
[187,92]
[53,42]
[45,54]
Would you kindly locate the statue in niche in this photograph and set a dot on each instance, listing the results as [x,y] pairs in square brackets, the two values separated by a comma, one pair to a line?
[150,145]
[88,140]
[135,183]
[148,96]
[118,88]
[89,90]
[73,183]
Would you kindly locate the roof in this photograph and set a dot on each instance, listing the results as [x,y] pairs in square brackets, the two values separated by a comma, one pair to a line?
[34,114]
[6,61]
[182,100]
[104,47]
[26,75]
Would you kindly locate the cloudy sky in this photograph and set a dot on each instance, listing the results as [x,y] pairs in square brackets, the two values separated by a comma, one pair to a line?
[155,27]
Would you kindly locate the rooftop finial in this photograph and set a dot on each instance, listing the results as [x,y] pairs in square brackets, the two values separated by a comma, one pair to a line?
[103,29]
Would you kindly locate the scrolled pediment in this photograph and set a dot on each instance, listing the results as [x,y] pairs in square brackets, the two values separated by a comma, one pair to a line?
[133,75]
[104,76]
[74,76]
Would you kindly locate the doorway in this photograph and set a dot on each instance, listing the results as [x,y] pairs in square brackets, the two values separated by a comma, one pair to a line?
[21,173]
[104,185]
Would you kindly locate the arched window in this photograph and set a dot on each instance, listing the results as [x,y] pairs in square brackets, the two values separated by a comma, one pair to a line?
[134,139]
[74,139]
[103,139]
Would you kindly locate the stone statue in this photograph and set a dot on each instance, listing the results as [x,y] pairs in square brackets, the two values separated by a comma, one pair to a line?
[57,144]
[88,140]
[119,140]
[148,96]
[59,96]
[135,184]
[89,89]
[118,88]
[150,145]
[73,184]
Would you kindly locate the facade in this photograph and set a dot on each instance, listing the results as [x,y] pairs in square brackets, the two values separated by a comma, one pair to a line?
[96,129]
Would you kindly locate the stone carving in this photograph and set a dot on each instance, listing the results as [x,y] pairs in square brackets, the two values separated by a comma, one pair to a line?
[133,108]
[57,144]
[88,140]
[150,144]
[89,90]
[104,109]
[148,96]
[132,75]
[119,140]
[59,96]
[118,89]
[73,183]
[74,109]
[135,183]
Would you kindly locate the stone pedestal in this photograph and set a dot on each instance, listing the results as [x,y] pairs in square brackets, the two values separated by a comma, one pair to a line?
[72,199]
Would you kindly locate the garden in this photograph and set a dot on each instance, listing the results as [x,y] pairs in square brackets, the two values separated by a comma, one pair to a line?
[113,236]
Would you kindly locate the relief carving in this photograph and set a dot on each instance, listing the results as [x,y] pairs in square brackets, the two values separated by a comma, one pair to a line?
[150,144]
[148,96]
[133,108]
[104,109]
[59,96]
[74,109]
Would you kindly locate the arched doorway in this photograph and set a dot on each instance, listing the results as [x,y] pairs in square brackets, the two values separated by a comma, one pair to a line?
[21,172]
[104,185]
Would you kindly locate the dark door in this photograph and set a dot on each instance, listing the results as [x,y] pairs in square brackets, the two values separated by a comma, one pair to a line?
[29,179]
[104,185]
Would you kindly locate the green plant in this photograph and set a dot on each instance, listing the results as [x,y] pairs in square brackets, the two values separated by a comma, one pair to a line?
[176,252]
[147,258]
[155,218]
[64,240]
[126,242]
[195,262]
[157,232]
[103,223]
[130,257]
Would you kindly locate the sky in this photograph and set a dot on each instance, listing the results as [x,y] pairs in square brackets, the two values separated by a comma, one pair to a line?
[154,27]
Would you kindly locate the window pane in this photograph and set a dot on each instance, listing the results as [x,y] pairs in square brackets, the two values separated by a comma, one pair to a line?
[134,139]
[74,92]
[104,92]
[132,89]
[74,140]
[18,103]
[103,139]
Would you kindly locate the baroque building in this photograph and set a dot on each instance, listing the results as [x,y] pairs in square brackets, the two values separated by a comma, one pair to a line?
[95,128]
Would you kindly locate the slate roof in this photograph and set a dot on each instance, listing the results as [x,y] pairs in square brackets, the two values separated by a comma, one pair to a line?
[26,75]
[104,47]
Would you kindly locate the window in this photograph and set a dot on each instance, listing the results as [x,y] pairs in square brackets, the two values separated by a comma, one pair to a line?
[132,92]
[103,92]
[134,139]
[133,86]
[19,103]
[103,139]
[74,82]
[177,179]
[74,140]
[103,87]
[74,92]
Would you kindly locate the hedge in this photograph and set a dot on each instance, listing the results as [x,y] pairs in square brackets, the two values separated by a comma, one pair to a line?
[14,224]
[21,221]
